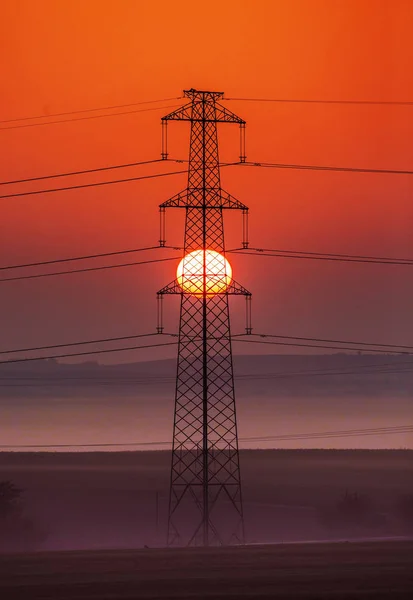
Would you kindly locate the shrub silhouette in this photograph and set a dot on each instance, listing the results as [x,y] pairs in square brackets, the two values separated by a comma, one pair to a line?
[353,508]
[352,514]
[17,532]
[405,511]
[10,499]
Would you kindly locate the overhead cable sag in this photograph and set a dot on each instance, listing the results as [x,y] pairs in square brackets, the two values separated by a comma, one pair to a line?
[325,101]
[319,256]
[89,117]
[83,172]
[358,346]
[87,269]
[398,429]
[86,110]
[90,185]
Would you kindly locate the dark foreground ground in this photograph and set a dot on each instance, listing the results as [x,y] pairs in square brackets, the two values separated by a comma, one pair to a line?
[295,571]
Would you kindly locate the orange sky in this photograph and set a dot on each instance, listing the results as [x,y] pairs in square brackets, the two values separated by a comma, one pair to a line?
[63,56]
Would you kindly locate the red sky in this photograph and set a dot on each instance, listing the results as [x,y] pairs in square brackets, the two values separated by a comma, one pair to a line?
[67,56]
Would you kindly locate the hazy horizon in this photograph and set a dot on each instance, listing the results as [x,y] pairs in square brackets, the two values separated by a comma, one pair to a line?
[277,395]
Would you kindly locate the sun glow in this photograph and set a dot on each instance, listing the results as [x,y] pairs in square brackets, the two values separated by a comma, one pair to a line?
[204,267]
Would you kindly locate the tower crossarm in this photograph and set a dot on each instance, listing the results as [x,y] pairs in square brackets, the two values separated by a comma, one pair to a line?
[187,199]
[234,289]
[189,111]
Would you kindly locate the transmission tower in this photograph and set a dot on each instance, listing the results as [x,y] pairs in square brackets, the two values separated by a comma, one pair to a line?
[205,503]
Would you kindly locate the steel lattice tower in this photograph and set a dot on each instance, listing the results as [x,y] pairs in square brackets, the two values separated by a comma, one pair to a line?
[205,504]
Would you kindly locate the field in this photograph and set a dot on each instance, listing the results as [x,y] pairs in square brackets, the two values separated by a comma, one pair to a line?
[356,571]
[82,501]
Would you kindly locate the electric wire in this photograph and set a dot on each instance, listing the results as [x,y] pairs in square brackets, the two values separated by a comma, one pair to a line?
[86,257]
[129,179]
[43,382]
[277,100]
[81,343]
[333,372]
[88,269]
[333,254]
[88,118]
[251,251]
[325,168]
[85,171]
[90,185]
[86,110]
[330,258]
[374,369]
[322,347]
[400,429]
[88,353]
[320,101]
[75,258]
[112,182]
[342,432]
[237,337]
[311,339]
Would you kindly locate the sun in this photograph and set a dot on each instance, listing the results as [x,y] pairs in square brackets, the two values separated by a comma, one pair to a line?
[204,267]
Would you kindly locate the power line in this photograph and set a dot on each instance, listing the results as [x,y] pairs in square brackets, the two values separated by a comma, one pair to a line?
[234,338]
[328,257]
[309,339]
[326,373]
[81,343]
[325,168]
[103,445]
[322,347]
[262,251]
[74,258]
[135,336]
[129,179]
[342,432]
[90,185]
[100,183]
[276,100]
[87,110]
[126,112]
[88,269]
[87,257]
[42,382]
[85,171]
[324,254]
[90,352]
[401,429]
[135,164]
[373,369]
[93,383]
[311,101]
[377,368]
[360,433]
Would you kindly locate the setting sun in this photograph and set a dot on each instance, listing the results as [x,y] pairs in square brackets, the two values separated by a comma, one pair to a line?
[191,269]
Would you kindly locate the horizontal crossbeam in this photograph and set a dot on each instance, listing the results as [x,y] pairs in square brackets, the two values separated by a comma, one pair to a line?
[189,199]
[234,289]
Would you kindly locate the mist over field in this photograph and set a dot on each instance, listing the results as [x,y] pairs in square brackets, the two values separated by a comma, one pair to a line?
[119,499]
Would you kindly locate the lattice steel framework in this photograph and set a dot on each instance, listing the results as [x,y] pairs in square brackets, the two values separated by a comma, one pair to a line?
[205,505]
